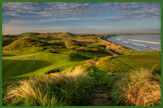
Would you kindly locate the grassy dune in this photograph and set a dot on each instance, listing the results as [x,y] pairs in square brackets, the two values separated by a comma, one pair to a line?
[58,69]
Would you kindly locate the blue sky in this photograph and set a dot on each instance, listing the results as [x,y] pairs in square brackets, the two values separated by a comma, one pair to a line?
[93,17]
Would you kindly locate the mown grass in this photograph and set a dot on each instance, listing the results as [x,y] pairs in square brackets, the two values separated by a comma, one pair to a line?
[31,66]
[128,63]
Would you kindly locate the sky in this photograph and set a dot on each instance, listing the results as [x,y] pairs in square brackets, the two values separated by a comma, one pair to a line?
[78,17]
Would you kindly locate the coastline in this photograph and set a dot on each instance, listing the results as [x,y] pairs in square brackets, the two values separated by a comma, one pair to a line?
[105,39]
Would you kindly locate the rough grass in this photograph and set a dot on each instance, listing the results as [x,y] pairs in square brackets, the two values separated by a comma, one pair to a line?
[128,63]
[137,88]
[132,52]
[72,88]
[7,39]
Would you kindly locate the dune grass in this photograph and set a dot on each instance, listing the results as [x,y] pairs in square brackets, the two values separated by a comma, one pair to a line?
[72,88]
[133,83]
[140,87]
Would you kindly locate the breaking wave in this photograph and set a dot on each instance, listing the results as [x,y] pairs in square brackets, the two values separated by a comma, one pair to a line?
[145,41]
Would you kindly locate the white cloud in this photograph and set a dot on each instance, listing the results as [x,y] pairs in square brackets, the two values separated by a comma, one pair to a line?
[137,10]
[48,8]
[60,9]
[14,21]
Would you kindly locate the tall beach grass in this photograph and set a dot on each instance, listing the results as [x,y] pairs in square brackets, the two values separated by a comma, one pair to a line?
[71,88]
[138,88]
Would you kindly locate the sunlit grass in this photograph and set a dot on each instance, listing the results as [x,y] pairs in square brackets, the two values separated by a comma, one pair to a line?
[137,88]
[71,88]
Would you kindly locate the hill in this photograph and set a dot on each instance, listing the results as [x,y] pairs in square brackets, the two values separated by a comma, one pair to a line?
[57,69]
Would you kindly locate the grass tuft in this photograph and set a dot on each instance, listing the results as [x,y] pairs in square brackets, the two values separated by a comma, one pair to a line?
[137,88]
[70,88]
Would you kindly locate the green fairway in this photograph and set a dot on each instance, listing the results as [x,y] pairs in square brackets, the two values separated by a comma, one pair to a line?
[128,63]
[37,63]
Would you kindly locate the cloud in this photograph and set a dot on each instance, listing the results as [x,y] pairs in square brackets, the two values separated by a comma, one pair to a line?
[17,15]
[15,21]
[123,11]
[49,8]
[10,29]
[132,11]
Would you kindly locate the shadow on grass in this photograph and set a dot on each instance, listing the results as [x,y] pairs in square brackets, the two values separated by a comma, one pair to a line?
[78,58]
[12,68]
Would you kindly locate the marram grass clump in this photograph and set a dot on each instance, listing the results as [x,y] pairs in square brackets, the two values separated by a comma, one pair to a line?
[71,88]
[137,88]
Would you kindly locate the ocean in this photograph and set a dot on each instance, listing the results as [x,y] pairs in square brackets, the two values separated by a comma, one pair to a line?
[138,42]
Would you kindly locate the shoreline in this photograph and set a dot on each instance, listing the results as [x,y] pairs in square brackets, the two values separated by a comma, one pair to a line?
[105,39]
[126,47]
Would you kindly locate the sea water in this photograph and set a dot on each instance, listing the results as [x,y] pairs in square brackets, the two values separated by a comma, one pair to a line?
[138,42]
